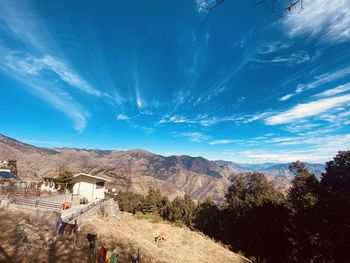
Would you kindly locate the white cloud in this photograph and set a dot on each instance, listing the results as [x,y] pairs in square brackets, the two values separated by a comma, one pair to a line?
[284,156]
[256,117]
[334,91]
[274,46]
[123,117]
[326,19]
[286,97]
[323,79]
[223,83]
[202,5]
[202,119]
[305,110]
[305,148]
[291,60]
[36,66]
[64,104]
[319,81]
[68,75]
[221,142]
[194,136]
[28,75]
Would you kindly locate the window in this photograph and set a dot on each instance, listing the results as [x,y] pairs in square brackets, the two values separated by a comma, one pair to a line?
[100,185]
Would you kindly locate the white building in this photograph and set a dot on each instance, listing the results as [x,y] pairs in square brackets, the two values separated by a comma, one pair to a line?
[89,186]
[49,184]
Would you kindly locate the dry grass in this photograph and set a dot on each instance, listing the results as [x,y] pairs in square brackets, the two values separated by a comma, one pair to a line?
[25,238]
[127,234]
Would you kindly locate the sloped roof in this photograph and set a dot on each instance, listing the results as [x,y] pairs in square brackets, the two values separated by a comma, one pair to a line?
[92,176]
[6,174]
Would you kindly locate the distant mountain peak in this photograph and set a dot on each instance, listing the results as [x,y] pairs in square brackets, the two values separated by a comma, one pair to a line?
[137,169]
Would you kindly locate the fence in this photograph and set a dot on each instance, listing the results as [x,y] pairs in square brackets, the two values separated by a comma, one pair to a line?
[4,258]
[74,215]
[36,203]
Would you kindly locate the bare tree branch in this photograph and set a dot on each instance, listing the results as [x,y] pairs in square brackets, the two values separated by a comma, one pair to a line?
[209,9]
[281,7]
[276,6]
[293,4]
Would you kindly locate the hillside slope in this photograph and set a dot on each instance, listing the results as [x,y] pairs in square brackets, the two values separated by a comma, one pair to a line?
[136,170]
[182,245]
[133,170]
[30,236]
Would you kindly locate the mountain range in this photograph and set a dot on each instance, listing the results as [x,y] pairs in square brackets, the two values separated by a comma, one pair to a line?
[137,170]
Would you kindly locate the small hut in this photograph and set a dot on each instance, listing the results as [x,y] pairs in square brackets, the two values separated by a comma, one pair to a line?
[89,186]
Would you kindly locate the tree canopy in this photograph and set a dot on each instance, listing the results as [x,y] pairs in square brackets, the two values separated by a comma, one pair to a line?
[65,178]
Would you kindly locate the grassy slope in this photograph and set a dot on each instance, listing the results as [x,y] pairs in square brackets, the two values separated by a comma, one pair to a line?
[23,237]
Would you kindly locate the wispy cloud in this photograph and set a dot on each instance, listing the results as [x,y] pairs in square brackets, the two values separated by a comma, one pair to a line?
[286,97]
[334,91]
[319,148]
[290,60]
[194,136]
[68,75]
[201,119]
[256,117]
[123,117]
[274,46]
[305,110]
[19,20]
[320,18]
[284,157]
[48,64]
[225,83]
[203,5]
[43,88]
[224,141]
[318,81]
[38,63]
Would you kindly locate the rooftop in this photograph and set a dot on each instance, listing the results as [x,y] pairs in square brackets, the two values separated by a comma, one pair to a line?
[6,174]
[92,176]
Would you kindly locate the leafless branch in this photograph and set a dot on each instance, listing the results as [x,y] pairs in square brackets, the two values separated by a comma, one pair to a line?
[276,6]
[210,8]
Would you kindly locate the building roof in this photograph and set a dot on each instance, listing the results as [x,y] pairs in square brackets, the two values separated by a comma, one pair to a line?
[6,174]
[92,176]
[50,176]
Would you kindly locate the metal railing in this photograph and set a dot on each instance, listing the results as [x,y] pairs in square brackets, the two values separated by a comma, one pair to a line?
[36,203]
[4,258]
[74,215]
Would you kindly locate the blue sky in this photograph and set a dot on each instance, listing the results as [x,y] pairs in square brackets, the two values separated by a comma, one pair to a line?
[248,85]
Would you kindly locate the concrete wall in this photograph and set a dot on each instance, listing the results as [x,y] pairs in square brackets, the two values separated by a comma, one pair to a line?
[42,216]
[86,187]
[58,198]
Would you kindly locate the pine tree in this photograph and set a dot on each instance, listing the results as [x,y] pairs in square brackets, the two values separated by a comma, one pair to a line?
[253,218]
[150,203]
[303,193]
[65,179]
[303,197]
[335,209]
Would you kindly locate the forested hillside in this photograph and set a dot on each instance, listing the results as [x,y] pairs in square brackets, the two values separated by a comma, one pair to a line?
[309,224]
